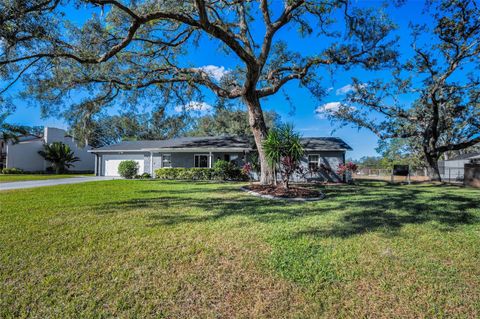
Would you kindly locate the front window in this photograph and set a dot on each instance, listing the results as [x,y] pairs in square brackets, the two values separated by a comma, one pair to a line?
[201,161]
[167,160]
[313,162]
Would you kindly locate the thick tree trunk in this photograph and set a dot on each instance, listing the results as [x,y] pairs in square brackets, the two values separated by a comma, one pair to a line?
[433,170]
[259,130]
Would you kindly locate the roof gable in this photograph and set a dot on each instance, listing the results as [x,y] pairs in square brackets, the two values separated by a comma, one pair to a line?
[465,156]
[218,142]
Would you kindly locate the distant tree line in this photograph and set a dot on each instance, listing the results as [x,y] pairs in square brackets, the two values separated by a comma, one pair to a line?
[105,129]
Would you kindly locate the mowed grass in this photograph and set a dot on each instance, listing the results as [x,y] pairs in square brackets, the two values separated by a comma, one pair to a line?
[7,178]
[138,249]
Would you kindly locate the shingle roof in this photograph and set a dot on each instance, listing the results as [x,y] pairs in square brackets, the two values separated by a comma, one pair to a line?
[465,156]
[225,142]
[325,143]
[181,142]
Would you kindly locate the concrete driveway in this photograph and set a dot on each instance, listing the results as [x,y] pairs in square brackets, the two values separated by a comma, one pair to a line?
[53,182]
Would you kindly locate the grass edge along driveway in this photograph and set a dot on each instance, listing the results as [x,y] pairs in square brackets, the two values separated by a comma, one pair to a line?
[9,178]
[203,250]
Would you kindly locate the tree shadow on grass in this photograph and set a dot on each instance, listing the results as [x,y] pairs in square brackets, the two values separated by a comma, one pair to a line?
[360,208]
[390,207]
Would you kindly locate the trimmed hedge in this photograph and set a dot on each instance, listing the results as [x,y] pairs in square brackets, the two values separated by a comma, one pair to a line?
[184,173]
[12,170]
[199,174]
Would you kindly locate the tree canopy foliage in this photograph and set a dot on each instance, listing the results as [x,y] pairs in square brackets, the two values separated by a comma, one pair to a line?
[229,121]
[10,132]
[103,129]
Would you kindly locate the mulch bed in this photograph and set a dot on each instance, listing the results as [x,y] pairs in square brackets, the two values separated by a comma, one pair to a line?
[280,191]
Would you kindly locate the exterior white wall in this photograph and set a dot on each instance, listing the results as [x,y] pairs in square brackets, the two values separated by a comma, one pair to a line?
[24,155]
[454,169]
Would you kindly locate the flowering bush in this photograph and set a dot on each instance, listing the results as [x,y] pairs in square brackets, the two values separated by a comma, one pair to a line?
[247,168]
[347,168]
[288,166]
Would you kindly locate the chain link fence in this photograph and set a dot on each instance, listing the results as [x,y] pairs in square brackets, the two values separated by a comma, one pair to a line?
[452,174]
[418,175]
[468,175]
[448,174]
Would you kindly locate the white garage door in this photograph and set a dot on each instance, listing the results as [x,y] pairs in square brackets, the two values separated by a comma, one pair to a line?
[111,162]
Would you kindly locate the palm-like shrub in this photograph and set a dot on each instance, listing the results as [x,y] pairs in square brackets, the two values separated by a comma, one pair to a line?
[60,155]
[283,149]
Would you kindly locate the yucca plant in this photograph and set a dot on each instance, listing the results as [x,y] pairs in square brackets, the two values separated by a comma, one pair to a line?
[60,155]
[283,149]
[272,148]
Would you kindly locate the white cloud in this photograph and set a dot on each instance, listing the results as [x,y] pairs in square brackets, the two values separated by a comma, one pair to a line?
[216,72]
[330,107]
[194,106]
[322,111]
[348,88]
[344,89]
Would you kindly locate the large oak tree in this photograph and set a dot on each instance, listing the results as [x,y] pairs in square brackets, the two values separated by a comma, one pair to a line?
[127,50]
[443,78]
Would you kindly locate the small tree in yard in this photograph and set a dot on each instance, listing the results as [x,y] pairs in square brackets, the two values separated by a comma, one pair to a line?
[288,166]
[347,169]
[283,150]
[128,169]
[60,155]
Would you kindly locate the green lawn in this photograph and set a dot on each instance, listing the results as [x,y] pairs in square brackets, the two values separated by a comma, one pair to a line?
[7,178]
[199,250]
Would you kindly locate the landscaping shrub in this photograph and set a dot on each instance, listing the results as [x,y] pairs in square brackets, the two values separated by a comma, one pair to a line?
[12,170]
[184,173]
[224,170]
[60,155]
[247,168]
[201,174]
[143,176]
[167,173]
[348,170]
[128,169]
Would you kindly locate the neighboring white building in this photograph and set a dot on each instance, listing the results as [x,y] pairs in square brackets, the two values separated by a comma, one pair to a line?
[24,154]
[453,169]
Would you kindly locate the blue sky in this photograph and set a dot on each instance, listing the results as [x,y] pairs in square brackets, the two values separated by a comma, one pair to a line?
[303,116]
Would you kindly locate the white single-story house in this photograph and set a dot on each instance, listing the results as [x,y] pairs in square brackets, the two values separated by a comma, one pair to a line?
[24,154]
[322,157]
